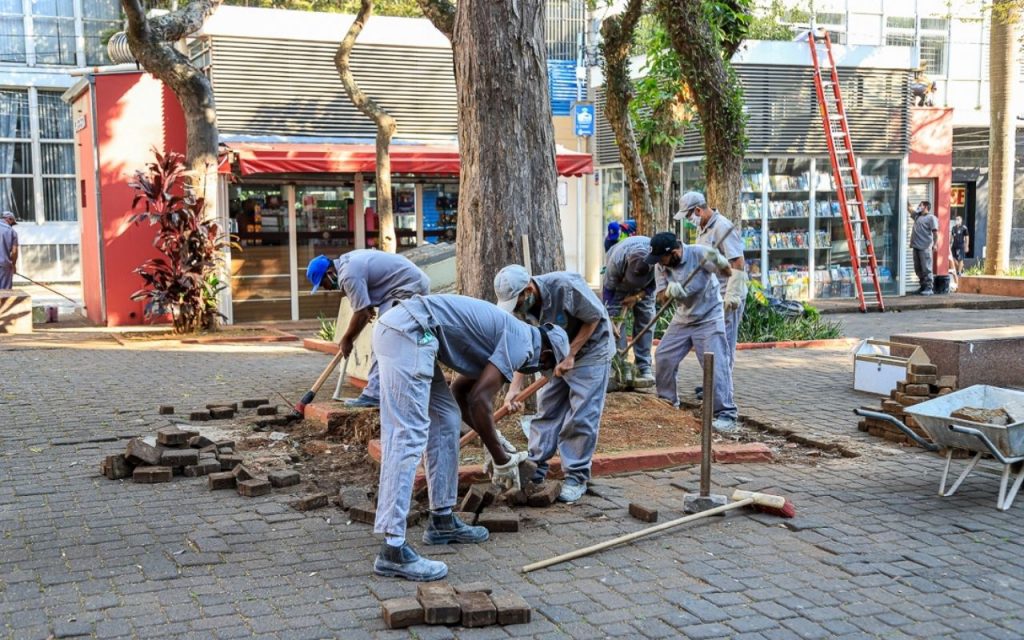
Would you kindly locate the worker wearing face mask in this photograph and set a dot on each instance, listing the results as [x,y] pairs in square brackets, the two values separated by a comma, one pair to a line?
[569,407]
[716,231]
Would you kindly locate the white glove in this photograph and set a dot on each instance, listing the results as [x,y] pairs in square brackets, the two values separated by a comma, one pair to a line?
[507,475]
[676,291]
[736,290]
[505,444]
[714,257]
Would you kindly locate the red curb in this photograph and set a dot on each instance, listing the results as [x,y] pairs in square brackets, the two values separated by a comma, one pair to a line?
[279,337]
[627,461]
[322,346]
[792,344]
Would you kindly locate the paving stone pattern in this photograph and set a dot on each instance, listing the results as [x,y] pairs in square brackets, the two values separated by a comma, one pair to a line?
[872,552]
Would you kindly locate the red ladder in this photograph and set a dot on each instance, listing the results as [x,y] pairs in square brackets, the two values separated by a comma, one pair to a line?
[844,168]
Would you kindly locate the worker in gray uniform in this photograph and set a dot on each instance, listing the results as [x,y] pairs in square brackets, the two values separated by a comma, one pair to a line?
[628,283]
[698,323]
[8,249]
[569,407]
[374,281]
[420,415]
[716,231]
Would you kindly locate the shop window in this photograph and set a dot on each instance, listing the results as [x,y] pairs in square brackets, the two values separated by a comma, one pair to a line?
[12,32]
[100,18]
[789,241]
[53,23]
[440,212]
[57,159]
[16,192]
[900,32]
[403,201]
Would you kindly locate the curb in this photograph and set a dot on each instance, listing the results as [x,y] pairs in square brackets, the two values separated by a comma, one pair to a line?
[799,344]
[273,336]
[321,346]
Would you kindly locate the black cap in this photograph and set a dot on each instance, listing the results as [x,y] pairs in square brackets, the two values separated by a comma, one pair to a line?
[662,244]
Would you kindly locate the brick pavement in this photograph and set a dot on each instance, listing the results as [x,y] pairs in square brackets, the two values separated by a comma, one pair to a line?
[872,553]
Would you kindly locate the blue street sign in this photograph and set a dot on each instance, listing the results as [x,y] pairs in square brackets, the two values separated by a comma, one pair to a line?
[583,117]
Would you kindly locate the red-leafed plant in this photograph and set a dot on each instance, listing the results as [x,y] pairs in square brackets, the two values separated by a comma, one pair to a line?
[184,282]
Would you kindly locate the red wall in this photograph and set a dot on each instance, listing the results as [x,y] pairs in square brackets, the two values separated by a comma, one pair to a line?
[90,246]
[931,156]
[135,113]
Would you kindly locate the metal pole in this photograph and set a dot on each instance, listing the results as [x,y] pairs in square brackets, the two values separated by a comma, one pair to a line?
[707,414]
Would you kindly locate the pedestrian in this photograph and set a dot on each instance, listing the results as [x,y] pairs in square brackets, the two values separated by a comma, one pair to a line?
[718,232]
[923,240]
[8,249]
[698,323]
[374,281]
[959,243]
[628,283]
[420,415]
[569,407]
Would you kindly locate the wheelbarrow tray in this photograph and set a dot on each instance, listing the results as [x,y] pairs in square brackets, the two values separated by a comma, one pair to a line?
[934,417]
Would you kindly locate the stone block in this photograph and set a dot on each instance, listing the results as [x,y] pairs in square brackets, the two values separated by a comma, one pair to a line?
[152,474]
[283,478]
[498,521]
[222,405]
[914,379]
[242,473]
[364,512]
[511,608]
[199,416]
[222,480]
[440,608]
[644,513]
[477,609]
[229,461]
[253,488]
[172,437]
[479,497]
[473,587]
[165,410]
[266,410]
[254,402]
[179,457]
[400,613]
[923,369]
[545,494]
[199,442]
[515,497]
[349,496]
[116,467]
[222,413]
[210,449]
[917,389]
[143,452]
[892,408]
[205,467]
[310,502]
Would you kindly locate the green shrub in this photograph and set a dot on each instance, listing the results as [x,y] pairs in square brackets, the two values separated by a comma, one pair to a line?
[762,323]
[328,329]
[1016,270]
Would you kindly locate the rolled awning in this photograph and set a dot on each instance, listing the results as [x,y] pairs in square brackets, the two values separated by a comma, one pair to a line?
[260,157]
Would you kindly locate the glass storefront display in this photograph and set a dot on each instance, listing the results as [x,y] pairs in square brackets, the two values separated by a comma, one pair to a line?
[440,210]
[403,203]
[325,224]
[789,242]
[260,282]
[751,216]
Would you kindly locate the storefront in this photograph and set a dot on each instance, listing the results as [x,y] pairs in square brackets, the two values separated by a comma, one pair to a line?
[793,235]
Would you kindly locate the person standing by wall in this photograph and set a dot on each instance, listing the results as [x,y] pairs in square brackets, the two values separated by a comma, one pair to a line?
[8,249]
[923,240]
[960,243]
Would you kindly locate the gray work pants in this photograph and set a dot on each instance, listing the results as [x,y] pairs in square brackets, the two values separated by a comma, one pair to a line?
[372,389]
[418,418]
[643,312]
[7,276]
[732,330]
[568,419]
[923,268]
[677,342]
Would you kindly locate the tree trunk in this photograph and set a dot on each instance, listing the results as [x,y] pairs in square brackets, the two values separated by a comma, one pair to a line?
[1002,65]
[385,126]
[671,119]
[617,34]
[508,179]
[717,95]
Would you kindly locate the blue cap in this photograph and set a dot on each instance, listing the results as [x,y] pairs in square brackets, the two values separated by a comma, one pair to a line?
[318,266]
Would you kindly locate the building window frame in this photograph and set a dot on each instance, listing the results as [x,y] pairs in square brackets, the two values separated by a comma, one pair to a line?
[929,36]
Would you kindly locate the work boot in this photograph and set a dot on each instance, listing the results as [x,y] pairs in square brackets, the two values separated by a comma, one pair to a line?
[448,528]
[572,490]
[363,402]
[644,375]
[404,562]
[724,425]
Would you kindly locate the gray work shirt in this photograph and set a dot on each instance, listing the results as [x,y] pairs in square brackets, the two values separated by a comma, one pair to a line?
[925,226]
[8,241]
[625,269]
[705,303]
[369,277]
[720,233]
[471,333]
[567,301]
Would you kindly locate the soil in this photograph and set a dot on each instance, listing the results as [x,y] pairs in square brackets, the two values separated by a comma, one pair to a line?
[228,332]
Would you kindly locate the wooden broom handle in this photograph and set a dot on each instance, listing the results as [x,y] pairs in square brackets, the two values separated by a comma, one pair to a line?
[502,412]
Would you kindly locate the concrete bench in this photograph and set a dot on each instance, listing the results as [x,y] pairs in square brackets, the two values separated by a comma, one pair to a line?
[15,311]
[975,356]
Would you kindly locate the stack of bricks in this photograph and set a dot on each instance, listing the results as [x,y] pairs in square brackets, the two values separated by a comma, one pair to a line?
[266,413]
[181,452]
[922,383]
[439,603]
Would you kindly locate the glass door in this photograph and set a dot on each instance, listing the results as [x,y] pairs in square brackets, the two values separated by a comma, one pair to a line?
[260,280]
[325,224]
[917,190]
[751,217]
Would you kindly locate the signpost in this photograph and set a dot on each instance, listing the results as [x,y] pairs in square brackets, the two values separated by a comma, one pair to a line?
[583,118]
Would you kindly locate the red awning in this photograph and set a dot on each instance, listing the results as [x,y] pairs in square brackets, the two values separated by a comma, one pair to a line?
[254,158]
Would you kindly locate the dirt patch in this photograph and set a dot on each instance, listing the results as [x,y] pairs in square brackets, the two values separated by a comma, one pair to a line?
[226,334]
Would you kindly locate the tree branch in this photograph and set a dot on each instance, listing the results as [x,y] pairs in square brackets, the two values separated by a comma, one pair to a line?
[185,21]
[441,13]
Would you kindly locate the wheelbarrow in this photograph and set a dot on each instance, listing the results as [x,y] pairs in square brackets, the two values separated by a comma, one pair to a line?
[1005,443]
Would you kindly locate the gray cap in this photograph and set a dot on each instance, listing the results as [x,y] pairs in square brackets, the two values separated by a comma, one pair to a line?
[7,215]
[559,340]
[508,284]
[688,201]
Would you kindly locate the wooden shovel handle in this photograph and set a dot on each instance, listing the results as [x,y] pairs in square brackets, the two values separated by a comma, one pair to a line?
[502,412]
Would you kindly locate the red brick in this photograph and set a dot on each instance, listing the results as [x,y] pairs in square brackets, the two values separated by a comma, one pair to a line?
[916,389]
[285,478]
[892,407]
[172,437]
[253,488]
[349,496]
[116,467]
[229,461]
[400,613]
[913,379]
[144,453]
[643,513]
[747,452]
[924,369]
[512,608]
[434,588]
[254,402]
[222,413]
[199,442]
[199,416]
[363,512]
[473,587]
[165,409]
[179,457]
[498,522]
[477,609]
[310,502]
[545,494]
[241,473]
[152,475]
[222,405]
[479,497]
[205,467]
[222,480]
[439,607]
[267,410]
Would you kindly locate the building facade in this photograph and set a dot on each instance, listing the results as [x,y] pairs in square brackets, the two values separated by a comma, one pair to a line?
[41,41]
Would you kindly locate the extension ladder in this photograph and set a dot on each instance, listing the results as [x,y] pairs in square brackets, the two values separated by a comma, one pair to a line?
[845,173]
